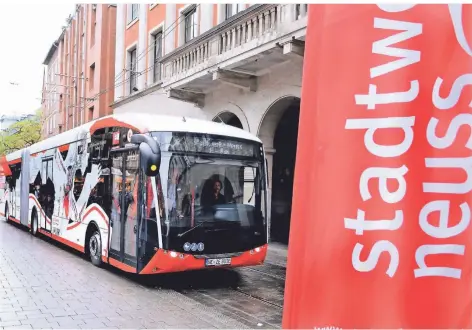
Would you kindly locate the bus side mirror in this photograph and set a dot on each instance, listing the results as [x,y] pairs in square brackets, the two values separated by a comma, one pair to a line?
[150,153]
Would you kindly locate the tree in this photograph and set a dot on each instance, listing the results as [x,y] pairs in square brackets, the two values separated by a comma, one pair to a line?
[21,134]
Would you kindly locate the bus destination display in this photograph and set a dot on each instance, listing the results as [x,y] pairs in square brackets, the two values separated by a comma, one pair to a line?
[210,145]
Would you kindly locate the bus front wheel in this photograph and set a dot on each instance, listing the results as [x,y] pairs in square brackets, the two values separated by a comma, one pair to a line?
[95,248]
[34,223]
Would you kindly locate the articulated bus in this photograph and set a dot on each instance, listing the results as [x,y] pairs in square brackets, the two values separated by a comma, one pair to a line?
[145,193]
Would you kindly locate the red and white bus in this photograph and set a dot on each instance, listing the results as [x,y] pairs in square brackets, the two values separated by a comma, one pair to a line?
[145,193]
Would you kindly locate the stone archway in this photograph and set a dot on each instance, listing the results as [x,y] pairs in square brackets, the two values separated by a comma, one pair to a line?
[228,118]
[278,131]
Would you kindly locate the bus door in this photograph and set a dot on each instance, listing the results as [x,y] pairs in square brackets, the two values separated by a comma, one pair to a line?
[24,190]
[124,216]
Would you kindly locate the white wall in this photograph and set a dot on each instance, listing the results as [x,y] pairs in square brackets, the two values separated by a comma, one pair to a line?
[158,102]
[206,17]
[250,107]
[169,41]
[142,45]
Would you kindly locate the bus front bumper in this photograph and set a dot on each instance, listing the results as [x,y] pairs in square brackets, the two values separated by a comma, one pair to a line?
[171,262]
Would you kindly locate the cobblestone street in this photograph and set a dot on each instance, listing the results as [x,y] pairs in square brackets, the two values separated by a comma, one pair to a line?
[44,285]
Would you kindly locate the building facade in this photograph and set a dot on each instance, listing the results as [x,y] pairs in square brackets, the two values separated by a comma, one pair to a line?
[237,64]
[80,70]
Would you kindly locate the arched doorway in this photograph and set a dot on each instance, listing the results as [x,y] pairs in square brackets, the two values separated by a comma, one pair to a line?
[279,132]
[228,118]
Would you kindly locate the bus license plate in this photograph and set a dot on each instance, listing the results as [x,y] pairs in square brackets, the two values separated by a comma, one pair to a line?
[218,262]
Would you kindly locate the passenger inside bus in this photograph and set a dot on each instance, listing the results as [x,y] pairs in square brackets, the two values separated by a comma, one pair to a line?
[212,191]
[213,197]
[46,198]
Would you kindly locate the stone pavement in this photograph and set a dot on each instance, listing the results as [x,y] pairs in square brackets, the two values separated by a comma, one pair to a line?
[43,285]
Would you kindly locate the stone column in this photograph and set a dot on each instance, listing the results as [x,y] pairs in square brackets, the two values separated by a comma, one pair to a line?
[269,153]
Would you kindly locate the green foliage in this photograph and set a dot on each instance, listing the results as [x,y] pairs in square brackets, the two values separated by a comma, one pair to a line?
[21,134]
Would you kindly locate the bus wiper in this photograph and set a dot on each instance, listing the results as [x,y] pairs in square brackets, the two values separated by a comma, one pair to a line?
[188,231]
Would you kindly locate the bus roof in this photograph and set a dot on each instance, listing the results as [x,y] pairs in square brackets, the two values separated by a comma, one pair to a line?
[143,122]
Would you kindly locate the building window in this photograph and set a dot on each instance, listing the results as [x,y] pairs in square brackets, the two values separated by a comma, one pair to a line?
[90,115]
[232,9]
[134,12]
[157,40]
[93,24]
[132,70]
[92,76]
[300,10]
[228,11]
[190,19]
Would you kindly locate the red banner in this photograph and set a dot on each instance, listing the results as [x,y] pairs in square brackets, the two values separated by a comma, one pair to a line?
[380,234]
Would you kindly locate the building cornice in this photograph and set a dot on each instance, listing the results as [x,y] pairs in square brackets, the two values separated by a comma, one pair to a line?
[134,96]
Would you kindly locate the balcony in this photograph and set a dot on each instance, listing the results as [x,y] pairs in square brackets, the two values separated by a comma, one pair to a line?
[235,52]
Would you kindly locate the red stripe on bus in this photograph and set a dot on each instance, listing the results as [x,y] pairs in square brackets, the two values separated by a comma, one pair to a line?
[74,226]
[93,208]
[32,197]
[45,233]
[4,168]
[64,147]
[14,219]
[122,266]
[68,243]
[37,153]
[110,122]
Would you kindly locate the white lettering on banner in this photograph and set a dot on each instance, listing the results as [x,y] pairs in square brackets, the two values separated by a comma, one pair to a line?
[408,57]
[373,124]
[374,98]
[426,250]
[382,47]
[453,97]
[395,8]
[451,133]
[360,224]
[450,188]
[374,255]
[443,231]
[455,11]
[384,173]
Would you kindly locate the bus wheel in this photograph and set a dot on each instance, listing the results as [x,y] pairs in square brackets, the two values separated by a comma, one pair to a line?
[34,224]
[95,248]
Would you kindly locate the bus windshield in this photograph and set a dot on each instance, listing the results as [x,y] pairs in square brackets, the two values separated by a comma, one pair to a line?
[211,203]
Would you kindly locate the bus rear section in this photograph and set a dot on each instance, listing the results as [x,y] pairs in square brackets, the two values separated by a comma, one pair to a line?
[205,207]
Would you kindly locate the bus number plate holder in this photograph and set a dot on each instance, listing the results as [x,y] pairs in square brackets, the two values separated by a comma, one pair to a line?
[217,262]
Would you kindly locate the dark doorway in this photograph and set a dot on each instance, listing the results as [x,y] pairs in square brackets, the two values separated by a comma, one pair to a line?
[229,119]
[285,144]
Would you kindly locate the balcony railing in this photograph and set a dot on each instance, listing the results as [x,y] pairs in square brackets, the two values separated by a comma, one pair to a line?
[255,26]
